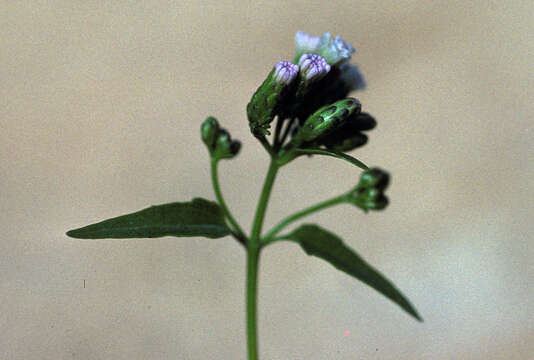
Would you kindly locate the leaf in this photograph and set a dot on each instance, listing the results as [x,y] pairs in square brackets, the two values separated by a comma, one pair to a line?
[327,246]
[198,217]
[336,154]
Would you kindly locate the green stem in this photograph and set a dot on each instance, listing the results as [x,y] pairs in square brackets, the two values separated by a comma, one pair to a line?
[253,255]
[336,154]
[237,232]
[289,125]
[262,204]
[269,237]
[265,143]
[276,141]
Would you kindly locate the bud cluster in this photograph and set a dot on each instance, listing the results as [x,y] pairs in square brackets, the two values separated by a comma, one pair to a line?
[218,140]
[313,89]
[369,193]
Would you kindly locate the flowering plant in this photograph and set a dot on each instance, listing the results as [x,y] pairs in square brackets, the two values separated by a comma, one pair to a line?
[307,100]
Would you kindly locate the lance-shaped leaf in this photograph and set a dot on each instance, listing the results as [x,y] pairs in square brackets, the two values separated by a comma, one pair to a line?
[327,246]
[198,217]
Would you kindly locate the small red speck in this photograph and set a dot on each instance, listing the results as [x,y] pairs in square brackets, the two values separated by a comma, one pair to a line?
[347,332]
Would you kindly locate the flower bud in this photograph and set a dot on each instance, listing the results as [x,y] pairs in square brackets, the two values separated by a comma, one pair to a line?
[369,193]
[208,131]
[284,73]
[269,97]
[374,178]
[225,147]
[313,67]
[326,119]
[372,200]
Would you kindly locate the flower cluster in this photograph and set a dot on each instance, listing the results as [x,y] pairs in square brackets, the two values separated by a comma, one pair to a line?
[299,92]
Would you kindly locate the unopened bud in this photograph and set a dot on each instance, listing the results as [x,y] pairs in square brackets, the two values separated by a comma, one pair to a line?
[372,199]
[369,193]
[374,178]
[327,119]
[208,131]
[313,67]
[269,97]
[225,147]
[285,72]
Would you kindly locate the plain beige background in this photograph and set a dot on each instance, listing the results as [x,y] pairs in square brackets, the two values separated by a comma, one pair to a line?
[100,107]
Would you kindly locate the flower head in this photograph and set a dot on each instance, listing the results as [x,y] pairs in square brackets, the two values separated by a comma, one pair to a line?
[334,50]
[285,72]
[313,67]
[306,43]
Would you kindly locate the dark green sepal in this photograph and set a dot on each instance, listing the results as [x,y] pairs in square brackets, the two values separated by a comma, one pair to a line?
[316,241]
[198,217]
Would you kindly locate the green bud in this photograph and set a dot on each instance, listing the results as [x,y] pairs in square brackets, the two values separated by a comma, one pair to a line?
[327,119]
[369,193]
[208,131]
[269,98]
[374,178]
[225,147]
[379,202]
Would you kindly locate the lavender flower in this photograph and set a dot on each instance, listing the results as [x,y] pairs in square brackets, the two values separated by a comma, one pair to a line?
[313,67]
[335,50]
[285,72]
[305,43]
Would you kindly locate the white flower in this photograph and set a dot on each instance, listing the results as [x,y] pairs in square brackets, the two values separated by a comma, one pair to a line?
[305,43]
[335,51]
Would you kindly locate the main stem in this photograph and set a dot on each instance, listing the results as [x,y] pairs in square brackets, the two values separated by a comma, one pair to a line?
[253,256]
